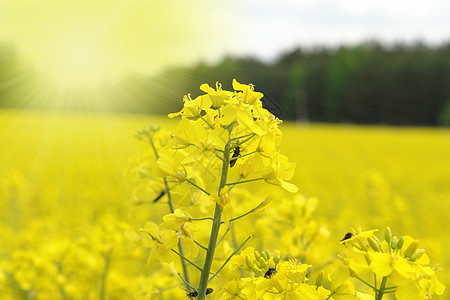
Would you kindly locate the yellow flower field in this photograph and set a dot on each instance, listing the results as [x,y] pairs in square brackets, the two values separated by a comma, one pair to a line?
[75,192]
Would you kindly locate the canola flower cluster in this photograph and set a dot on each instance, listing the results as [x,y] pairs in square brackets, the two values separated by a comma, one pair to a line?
[218,131]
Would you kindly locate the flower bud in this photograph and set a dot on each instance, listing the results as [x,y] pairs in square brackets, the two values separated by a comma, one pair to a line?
[376,240]
[262,262]
[319,278]
[373,244]
[394,242]
[257,255]
[249,261]
[264,255]
[362,245]
[418,254]
[267,253]
[411,249]
[388,235]
[276,258]
[400,243]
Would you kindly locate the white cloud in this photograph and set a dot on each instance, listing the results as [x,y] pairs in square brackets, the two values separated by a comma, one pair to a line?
[268,26]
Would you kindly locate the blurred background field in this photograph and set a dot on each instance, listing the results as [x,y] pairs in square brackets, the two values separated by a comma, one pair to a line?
[64,174]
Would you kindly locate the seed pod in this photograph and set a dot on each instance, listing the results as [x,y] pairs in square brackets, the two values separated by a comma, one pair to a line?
[276,258]
[418,254]
[411,249]
[388,235]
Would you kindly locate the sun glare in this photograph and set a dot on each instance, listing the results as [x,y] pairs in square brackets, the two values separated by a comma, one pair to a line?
[81,53]
[79,61]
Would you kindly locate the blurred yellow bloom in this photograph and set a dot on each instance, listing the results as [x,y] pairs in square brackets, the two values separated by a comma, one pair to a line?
[163,243]
[170,166]
[176,219]
[293,270]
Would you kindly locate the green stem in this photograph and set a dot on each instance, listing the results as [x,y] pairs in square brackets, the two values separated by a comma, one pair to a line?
[215,227]
[233,235]
[204,191]
[247,139]
[229,257]
[169,197]
[185,282]
[366,283]
[245,181]
[107,260]
[184,258]
[209,124]
[247,213]
[330,296]
[224,234]
[381,290]
[375,280]
[237,182]
[200,245]
[201,219]
[242,136]
[61,288]
[218,156]
[243,155]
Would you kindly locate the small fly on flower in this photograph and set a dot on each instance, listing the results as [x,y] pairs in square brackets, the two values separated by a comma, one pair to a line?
[236,153]
[270,273]
[159,196]
[347,236]
[194,294]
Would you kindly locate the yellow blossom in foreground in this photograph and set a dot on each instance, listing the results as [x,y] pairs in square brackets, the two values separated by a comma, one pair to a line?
[280,171]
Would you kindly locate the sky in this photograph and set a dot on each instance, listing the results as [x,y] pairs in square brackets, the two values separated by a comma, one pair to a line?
[73,43]
[274,26]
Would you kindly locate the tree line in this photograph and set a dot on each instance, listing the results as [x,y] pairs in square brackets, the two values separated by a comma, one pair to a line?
[368,83]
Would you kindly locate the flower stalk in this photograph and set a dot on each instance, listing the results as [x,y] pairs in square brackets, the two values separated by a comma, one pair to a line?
[382,289]
[107,261]
[214,228]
